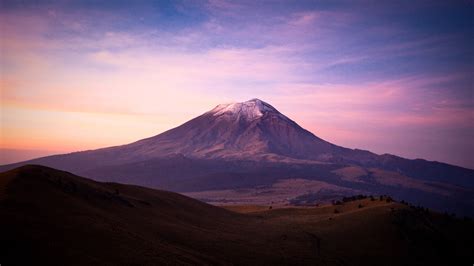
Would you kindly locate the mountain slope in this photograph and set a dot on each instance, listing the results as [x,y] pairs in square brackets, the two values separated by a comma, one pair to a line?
[56,218]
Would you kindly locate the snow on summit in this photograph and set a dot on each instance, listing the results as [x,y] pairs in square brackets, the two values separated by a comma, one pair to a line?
[249,110]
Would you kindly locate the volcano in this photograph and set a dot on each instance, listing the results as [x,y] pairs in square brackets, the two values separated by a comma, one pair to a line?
[252,129]
[249,130]
[252,147]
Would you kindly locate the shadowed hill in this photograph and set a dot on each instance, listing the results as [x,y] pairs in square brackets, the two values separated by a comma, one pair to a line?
[53,217]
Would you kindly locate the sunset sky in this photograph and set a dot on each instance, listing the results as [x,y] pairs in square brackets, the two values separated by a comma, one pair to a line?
[386,76]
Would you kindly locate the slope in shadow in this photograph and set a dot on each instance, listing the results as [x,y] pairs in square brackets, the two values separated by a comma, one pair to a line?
[53,217]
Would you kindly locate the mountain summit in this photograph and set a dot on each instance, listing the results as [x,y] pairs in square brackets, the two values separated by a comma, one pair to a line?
[248,110]
[252,130]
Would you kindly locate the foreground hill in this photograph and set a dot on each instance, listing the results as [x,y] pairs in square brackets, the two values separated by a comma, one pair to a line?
[54,217]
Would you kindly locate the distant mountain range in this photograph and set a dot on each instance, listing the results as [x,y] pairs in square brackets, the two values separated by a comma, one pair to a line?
[236,151]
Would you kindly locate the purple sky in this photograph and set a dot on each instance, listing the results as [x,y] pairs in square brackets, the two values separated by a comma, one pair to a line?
[387,76]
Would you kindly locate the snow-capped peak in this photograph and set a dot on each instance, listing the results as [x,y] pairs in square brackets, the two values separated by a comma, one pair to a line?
[249,110]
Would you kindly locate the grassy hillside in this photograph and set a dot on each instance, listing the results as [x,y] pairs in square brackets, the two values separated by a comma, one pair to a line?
[53,217]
